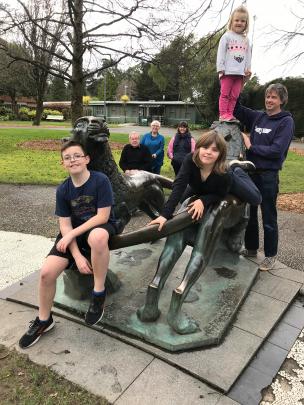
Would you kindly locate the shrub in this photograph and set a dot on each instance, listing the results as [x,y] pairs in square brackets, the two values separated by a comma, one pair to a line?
[32,114]
[48,111]
[4,111]
[23,114]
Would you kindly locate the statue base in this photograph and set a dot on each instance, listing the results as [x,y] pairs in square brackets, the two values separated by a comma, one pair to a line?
[213,301]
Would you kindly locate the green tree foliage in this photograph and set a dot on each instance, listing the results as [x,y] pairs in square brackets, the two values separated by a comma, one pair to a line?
[170,67]
[253,96]
[15,76]
[146,88]
[57,90]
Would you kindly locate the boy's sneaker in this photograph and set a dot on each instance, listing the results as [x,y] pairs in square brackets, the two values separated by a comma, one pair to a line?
[249,253]
[268,263]
[35,331]
[243,164]
[96,309]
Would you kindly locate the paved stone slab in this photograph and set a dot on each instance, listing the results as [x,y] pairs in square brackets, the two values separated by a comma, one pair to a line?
[272,286]
[162,384]
[295,317]
[103,365]
[20,255]
[219,366]
[259,314]
[284,335]
[247,391]
[269,359]
[226,401]
[288,273]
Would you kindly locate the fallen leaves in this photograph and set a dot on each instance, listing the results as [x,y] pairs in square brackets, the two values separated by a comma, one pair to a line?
[291,202]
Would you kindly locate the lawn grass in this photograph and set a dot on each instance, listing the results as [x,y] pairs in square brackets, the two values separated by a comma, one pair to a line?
[292,175]
[43,124]
[26,166]
[24,382]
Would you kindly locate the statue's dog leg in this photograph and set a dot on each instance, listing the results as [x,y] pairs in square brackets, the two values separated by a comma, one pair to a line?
[209,232]
[174,247]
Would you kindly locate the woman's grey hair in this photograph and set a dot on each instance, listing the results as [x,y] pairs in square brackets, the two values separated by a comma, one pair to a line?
[155,122]
[281,91]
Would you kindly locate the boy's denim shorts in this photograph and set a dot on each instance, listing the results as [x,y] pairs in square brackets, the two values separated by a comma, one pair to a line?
[82,242]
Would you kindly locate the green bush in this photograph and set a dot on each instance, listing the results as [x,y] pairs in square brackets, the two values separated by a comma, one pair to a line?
[4,111]
[32,114]
[4,118]
[48,111]
[23,114]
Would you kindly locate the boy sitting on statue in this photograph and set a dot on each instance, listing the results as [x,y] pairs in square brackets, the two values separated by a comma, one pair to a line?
[84,206]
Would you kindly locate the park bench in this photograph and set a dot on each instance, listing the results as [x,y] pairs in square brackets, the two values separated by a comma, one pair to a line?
[55,117]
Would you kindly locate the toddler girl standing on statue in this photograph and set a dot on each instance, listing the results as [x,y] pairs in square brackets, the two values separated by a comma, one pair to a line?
[233,61]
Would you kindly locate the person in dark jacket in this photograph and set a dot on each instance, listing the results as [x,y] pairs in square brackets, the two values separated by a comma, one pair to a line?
[270,135]
[180,145]
[135,156]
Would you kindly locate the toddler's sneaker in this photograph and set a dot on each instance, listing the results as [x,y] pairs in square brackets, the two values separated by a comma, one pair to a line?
[35,331]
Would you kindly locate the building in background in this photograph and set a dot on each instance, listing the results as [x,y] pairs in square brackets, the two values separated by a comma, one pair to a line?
[144,112]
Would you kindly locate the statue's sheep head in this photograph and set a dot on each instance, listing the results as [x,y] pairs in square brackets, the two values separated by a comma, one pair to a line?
[90,127]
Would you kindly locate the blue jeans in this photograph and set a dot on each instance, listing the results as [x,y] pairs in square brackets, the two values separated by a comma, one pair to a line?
[156,169]
[244,188]
[268,184]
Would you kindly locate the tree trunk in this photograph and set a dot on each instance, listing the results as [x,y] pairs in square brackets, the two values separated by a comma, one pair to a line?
[41,79]
[14,103]
[77,62]
[39,111]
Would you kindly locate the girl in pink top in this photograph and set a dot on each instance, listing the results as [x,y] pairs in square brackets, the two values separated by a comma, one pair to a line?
[233,61]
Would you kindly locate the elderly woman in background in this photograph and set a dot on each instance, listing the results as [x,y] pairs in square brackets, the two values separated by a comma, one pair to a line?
[155,143]
[180,145]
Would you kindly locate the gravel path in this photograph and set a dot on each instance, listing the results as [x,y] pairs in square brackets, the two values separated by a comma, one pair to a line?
[30,209]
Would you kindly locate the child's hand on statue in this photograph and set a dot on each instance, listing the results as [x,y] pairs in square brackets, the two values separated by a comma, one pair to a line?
[159,220]
[196,209]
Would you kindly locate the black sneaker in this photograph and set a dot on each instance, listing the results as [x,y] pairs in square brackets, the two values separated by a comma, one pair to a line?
[96,309]
[35,331]
[243,164]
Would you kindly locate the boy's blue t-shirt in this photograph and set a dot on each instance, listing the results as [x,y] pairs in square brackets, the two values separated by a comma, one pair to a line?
[81,203]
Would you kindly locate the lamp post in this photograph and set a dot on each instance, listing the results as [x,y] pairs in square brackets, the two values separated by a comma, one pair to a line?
[125,99]
[105,95]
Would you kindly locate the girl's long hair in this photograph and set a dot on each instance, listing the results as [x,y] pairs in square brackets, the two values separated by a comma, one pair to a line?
[205,141]
[241,10]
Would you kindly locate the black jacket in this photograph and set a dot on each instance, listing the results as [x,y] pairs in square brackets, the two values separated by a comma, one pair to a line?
[135,158]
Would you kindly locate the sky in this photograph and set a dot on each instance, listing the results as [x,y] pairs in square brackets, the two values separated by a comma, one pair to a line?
[268,62]
[266,18]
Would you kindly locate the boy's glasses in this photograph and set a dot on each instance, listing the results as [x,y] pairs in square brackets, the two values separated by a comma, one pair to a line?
[69,158]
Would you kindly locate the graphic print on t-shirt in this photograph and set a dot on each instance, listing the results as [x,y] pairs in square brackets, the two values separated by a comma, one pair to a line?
[83,207]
